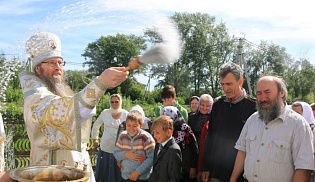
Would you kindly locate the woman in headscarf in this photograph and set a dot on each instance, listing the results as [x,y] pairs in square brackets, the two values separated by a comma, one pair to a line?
[199,124]
[202,116]
[106,165]
[305,110]
[186,140]
[194,103]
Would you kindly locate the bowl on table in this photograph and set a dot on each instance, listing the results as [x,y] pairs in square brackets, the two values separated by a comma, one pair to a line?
[56,173]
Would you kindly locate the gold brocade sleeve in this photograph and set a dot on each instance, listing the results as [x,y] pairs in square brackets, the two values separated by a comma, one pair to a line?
[91,94]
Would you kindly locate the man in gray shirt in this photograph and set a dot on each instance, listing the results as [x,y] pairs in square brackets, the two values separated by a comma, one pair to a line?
[275,143]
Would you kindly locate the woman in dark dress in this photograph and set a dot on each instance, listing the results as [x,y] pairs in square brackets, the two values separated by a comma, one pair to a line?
[199,124]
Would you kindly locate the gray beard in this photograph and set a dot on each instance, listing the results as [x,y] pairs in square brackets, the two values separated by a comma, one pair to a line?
[270,114]
[57,86]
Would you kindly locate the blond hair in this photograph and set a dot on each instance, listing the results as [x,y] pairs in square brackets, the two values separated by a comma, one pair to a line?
[165,121]
[134,117]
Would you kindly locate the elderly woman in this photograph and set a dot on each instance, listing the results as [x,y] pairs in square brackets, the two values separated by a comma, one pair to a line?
[198,120]
[106,165]
[199,124]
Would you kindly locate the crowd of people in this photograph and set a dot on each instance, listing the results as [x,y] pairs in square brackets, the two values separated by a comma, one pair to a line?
[230,138]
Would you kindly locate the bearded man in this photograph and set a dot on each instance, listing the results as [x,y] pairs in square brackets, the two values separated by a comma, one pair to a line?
[276,142]
[58,122]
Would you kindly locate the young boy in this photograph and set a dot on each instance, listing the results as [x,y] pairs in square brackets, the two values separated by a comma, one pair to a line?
[167,160]
[134,150]
[185,138]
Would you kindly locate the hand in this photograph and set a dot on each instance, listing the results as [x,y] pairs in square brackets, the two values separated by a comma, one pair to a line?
[134,157]
[134,175]
[96,143]
[4,176]
[114,76]
[232,179]
[120,166]
[192,173]
[205,176]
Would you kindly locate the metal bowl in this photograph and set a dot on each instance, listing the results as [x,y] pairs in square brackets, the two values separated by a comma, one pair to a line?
[49,173]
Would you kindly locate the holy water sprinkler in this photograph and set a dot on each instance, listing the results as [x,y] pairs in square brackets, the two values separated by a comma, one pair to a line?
[166,52]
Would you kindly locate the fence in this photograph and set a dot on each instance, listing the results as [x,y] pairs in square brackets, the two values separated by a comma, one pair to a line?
[17,149]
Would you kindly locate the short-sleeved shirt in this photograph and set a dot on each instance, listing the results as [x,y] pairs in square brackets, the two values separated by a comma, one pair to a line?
[275,150]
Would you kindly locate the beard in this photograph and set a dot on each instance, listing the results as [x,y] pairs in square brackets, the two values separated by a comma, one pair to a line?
[268,115]
[57,85]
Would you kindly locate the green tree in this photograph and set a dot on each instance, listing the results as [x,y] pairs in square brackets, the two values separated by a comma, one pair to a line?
[77,79]
[266,58]
[206,45]
[300,78]
[112,51]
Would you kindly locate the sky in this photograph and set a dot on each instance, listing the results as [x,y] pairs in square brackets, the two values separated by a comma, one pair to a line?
[288,24]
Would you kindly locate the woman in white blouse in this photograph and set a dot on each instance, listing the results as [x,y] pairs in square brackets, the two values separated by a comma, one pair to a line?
[106,165]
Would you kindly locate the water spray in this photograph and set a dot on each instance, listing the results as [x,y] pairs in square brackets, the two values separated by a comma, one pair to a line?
[166,52]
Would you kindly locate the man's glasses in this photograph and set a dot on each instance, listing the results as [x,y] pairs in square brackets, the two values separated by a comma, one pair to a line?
[116,102]
[50,63]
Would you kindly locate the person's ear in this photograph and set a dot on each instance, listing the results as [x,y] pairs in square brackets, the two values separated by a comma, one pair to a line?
[241,81]
[37,69]
[169,132]
[281,93]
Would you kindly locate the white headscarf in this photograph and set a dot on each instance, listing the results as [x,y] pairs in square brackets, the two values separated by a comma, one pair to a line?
[308,113]
[138,109]
[118,110]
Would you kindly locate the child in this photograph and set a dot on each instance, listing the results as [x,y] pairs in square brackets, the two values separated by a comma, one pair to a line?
[186,140]
[134,150]
[145,126]
[167,155]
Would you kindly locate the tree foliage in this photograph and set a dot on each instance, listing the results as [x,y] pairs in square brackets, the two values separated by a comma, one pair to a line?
[266,58]
[206,45]
[300,78]
[77,79]
[112,51]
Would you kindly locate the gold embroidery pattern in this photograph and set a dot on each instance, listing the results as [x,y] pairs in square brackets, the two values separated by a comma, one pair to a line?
[43,159]
[2,139]
[29,83]
[90,93]
[57,116]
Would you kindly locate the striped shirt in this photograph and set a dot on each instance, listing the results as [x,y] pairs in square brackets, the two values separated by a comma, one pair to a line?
[142,144]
